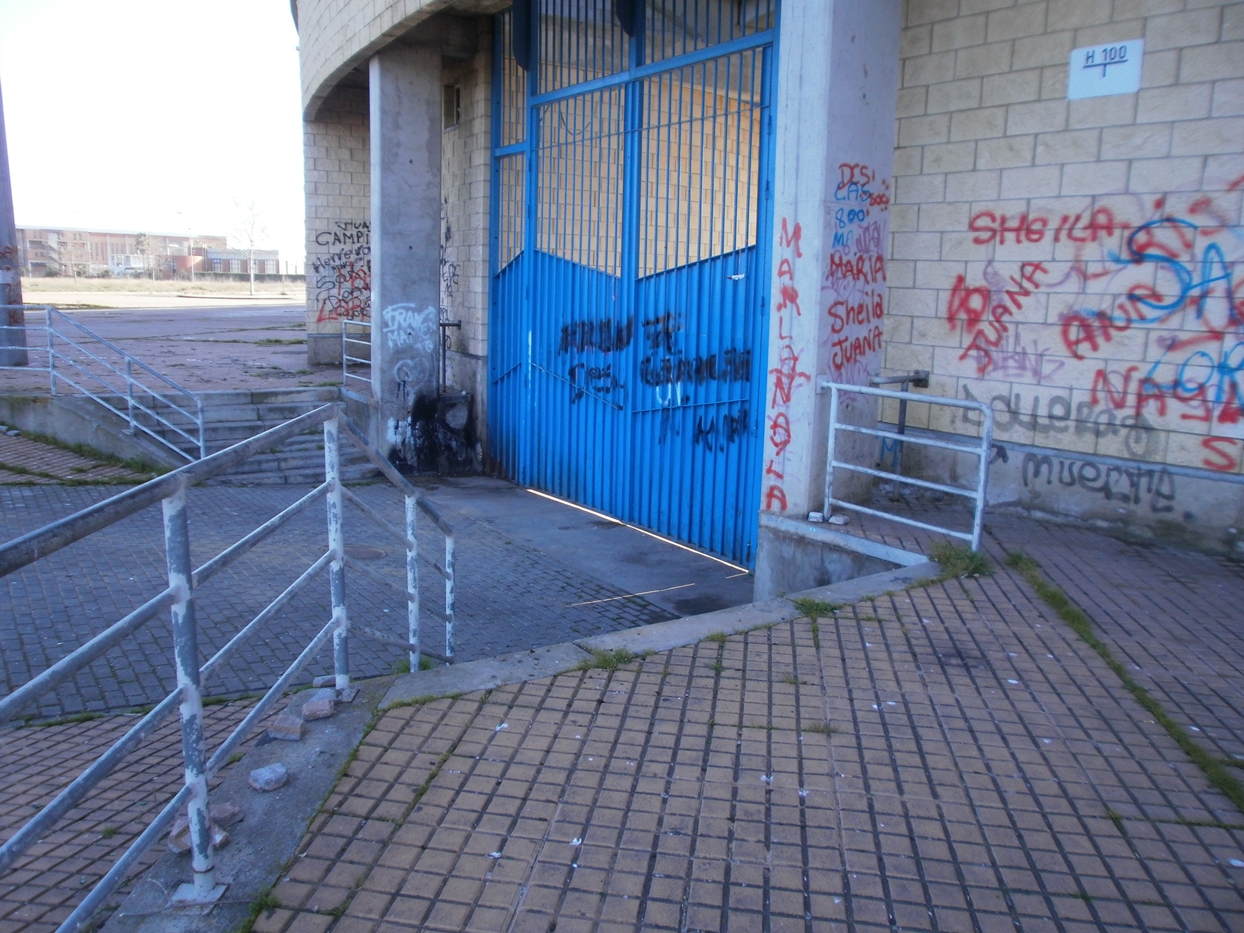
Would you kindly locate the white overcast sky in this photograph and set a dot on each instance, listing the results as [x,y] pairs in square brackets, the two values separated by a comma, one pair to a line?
[154,115]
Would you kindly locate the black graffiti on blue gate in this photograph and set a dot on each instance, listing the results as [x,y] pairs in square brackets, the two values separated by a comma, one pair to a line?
[606,336]
[599,380]
[1113,483]
[715,435]
[731,365]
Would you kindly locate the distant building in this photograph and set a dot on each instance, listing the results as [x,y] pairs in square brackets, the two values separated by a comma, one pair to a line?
[65,251]
[267,261]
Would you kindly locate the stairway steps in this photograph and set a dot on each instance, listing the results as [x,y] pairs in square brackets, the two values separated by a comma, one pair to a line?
[231,417]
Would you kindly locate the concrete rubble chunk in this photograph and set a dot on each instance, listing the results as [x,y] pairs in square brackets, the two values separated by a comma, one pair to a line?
[269,777]
[326,680]
[321,704]
[179,835]
[226,814]
[288,727]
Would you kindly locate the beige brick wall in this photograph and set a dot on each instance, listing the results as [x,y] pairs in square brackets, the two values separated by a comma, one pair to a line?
[336,155]
[1069,261]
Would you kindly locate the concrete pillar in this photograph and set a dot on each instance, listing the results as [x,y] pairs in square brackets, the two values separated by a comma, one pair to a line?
[838,73]
[12,320]
[405,120]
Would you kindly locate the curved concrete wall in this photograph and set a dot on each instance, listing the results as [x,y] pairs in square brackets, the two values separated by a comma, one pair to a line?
[335,38]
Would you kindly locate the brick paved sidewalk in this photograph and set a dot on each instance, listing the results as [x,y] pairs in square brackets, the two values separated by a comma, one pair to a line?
[24,461]
[510,597]
[44,886]
[951,758]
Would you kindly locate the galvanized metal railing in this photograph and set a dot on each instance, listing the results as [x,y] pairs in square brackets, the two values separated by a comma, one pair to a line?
[981,451]
[179,597]
[86,363]
[351,343]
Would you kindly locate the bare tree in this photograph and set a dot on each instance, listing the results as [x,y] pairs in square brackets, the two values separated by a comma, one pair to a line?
[250,227]
[74,255]
[145,247]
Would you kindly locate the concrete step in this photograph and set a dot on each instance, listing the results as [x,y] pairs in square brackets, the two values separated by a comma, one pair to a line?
[230,417]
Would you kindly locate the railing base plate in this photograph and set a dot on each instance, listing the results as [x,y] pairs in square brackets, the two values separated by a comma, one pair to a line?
[188,898]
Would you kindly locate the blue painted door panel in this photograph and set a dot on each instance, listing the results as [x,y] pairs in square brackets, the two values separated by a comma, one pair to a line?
[630,221]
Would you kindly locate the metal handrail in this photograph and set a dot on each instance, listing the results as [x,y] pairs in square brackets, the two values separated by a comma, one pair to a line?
[180,598]
[346,358]
[982,452]
[57,324]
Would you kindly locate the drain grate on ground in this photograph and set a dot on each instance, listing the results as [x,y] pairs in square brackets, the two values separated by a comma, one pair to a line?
[365,552]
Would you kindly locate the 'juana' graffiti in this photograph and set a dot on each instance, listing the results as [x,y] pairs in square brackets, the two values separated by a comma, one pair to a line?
[1140,317]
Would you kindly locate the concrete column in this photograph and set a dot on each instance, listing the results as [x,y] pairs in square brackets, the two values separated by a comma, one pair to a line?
[837,91]
[405,120]
[12,320]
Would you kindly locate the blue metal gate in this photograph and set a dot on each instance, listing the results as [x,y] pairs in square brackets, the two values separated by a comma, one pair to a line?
[630,220]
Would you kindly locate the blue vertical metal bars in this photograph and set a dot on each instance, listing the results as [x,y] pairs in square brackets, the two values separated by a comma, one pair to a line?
[688,256]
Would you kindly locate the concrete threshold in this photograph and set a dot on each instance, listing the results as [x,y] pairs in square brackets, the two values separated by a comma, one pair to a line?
[648,639]
[274,823]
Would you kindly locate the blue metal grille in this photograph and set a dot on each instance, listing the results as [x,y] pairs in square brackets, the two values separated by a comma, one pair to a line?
[629,289]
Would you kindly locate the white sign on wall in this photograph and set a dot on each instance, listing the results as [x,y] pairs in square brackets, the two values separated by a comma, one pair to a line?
[1099,70]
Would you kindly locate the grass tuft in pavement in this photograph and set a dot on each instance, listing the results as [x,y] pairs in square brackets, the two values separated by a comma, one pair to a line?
[1082,625]
[263,904]
[959,560]
[607,660]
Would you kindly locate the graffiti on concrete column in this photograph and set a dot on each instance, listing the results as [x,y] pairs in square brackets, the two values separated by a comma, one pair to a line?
[853,289]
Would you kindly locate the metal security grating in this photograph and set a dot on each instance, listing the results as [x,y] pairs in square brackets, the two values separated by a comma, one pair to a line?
[629,248]
[677,27]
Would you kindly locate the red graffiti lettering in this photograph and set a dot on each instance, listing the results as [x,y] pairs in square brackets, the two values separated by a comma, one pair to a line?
[849,350]
[845,314]
[786,375]
[867,269]
[1223,460]
[775,494]
[779,433]
[971,304]
[854,173]
[788,238]
[968,303]
[1104,381]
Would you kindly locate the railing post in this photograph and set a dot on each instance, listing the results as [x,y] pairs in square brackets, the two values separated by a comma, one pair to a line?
[449,596]
[412,582]
[982,480]
[186,653]
[202,428]
[129,391]
[831,442]
[336,544]
[51,350]
[902,429]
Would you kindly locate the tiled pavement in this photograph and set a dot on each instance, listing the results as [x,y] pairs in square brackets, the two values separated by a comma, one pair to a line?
[44,885]
[950,758]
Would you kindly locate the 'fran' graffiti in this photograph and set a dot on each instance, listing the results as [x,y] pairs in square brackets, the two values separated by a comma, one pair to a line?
[342,274]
